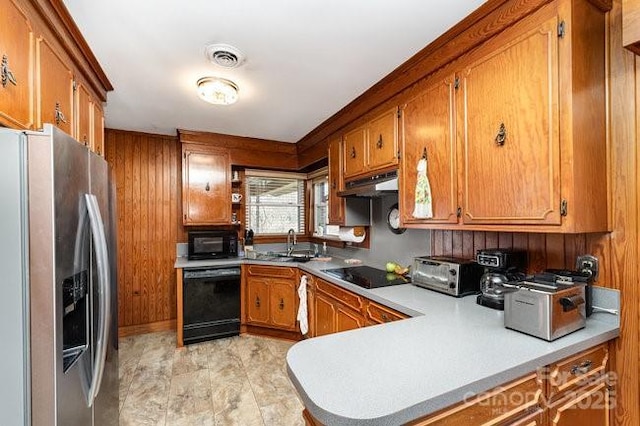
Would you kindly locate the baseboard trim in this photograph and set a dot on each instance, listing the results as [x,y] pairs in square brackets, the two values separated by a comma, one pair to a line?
[132,330]
[271,332]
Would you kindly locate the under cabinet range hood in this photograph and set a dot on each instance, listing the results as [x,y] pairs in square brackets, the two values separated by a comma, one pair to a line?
[372,186]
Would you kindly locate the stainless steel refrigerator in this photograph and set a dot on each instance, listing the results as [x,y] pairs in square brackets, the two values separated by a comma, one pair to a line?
[58,307]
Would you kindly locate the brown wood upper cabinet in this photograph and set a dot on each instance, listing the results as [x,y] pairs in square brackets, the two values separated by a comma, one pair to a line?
[509,128]
[383,141]
[16,68]
[54,88]
[354,151]
[89,119]
[43,78]
[371,146]
[336,183]
[97,133]
[84,111]
[631,25]
[428,131]
[529,149]
[206,187]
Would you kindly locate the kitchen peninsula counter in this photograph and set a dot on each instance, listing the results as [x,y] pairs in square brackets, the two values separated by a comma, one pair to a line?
[404,370]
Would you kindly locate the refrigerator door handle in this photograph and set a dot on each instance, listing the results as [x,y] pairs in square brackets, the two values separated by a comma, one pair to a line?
[102,263]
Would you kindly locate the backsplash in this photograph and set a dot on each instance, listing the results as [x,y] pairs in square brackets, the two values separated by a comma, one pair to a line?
[544,250]
[385,245]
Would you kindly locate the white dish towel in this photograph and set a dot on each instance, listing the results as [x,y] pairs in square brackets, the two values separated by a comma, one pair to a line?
[302,308]
[423,206]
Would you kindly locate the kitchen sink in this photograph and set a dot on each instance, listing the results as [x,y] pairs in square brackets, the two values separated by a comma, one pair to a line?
[299,259]
[299,256]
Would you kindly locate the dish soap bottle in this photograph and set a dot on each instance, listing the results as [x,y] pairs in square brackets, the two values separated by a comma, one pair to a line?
[324,249]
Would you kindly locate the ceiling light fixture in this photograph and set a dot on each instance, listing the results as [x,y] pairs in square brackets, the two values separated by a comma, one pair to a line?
[218,91]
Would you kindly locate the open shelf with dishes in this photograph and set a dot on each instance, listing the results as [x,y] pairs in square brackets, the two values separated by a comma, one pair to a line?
[237,195]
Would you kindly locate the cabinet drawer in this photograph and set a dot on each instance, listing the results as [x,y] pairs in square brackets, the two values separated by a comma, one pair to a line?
[513,402]
[337,293]
[380,314]
[271,271]
[587,405]
[576,370]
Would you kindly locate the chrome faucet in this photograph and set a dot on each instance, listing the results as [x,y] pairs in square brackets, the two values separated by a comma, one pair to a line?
[291,233]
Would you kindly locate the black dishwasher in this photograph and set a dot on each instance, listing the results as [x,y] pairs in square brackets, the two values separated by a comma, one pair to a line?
[211,303]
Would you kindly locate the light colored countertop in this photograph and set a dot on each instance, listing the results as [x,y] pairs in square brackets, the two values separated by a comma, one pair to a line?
[315,267]
[184,263]
[397,372]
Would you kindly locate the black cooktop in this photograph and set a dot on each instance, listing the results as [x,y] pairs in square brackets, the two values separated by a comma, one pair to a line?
[367,277]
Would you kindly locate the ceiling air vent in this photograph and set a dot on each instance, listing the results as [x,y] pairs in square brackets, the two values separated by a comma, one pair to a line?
[224,55]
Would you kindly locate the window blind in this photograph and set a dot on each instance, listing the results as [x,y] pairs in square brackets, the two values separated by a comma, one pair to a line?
[274,204]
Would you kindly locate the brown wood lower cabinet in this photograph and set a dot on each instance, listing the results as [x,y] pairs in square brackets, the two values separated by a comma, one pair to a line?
[378,314]
[577,389]
[589,405]
[518,402]
[324,318]
[258,301]
[334,309]
[271,298]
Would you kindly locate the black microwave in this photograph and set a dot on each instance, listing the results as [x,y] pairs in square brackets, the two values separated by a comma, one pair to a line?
[212,245]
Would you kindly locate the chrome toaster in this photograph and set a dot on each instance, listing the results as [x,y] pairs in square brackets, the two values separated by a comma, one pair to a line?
[545,311]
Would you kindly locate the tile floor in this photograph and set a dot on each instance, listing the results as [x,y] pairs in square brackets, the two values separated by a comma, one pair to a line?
[233,381]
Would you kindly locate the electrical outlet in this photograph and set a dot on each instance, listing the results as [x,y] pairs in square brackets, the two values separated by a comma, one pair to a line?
[589,264]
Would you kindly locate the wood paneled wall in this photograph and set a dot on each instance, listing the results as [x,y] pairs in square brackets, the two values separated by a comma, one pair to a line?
[622,254]
[619,250]
[147,171]
[545,250]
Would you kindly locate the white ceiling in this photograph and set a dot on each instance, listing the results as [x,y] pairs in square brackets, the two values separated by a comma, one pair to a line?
[305,59]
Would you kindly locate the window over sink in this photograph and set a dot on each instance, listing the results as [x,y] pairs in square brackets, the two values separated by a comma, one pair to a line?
[275,202]
[320,192]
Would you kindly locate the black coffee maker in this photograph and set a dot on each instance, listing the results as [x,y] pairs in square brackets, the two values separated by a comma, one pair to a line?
[501,267]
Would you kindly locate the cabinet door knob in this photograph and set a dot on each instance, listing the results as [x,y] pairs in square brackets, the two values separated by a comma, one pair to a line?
[379,143]
[7,75]
[257,302]
[501,137]
[281,305]
[207,188]
[353,152]
[385,318]
[59,115]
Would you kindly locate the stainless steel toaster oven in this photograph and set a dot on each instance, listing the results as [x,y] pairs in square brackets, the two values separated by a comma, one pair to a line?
[449,275]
